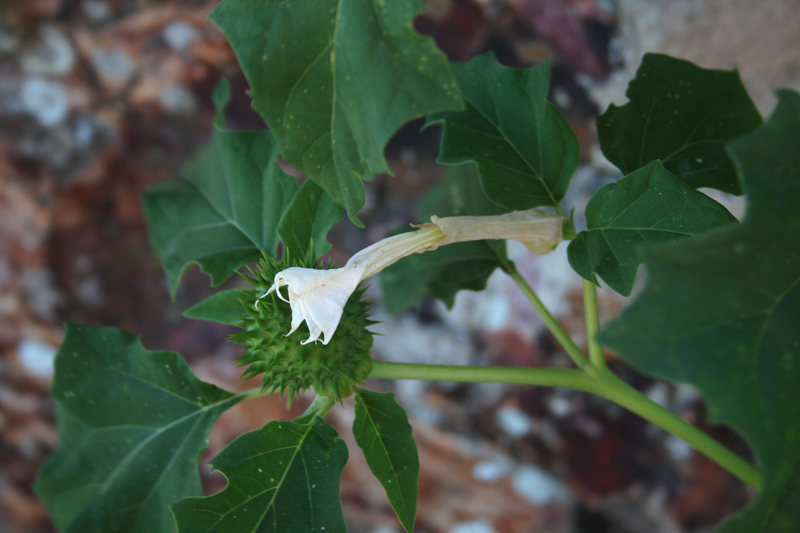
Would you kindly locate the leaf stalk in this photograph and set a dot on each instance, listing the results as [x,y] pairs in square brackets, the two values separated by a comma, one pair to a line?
[321,406]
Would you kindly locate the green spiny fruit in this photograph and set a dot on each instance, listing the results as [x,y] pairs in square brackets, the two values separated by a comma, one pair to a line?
[288,366]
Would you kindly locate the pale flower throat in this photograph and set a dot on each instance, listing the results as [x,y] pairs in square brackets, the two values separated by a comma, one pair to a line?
[317,297]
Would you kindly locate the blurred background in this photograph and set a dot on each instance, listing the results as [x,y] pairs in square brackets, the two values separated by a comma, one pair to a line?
[101,98]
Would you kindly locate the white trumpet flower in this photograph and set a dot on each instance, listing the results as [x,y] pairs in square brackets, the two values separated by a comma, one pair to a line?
[317,297]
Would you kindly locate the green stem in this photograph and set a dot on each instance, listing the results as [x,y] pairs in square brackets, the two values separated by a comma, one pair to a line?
[321,406]
[600,382]
[548,377]
[619,392]
[596,356]
[592,376]
[552,324]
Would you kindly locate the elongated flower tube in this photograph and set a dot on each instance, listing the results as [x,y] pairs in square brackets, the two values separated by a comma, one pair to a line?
[317,297]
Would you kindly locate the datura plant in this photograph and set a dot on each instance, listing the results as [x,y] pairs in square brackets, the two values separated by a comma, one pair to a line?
[718,310]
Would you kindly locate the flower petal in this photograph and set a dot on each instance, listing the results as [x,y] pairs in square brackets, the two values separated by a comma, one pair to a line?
[298,313]
[318,297]
[326,303]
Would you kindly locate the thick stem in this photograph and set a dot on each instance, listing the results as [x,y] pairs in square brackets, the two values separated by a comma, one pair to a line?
[548,377]
[601,382]
[552,324]
[592,376]
[619,392]
[596,356]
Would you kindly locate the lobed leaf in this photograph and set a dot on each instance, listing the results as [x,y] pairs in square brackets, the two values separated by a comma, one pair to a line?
[382,431]
[223,209]
[335,79]
[283,477]
[447,270]
[132,424]
[226,208]
[525,151]
[646,208]
[721,311]
[683,115]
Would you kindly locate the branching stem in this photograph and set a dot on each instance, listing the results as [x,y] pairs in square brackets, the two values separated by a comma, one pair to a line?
[596,356]
[619,392]
[552,324]
[592,375]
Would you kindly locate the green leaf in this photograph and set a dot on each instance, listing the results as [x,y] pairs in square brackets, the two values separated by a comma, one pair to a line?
[457,192]
[223,307]
[447,270]
[283,477]
[721,312]
[335,79]
[222,212]
[440,273]
[525,151]
[132,423]
[307,221]
[683,115]
[646,208]
[383,433]
[221,96]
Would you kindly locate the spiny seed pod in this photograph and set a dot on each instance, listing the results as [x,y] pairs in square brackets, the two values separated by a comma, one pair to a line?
[288,366]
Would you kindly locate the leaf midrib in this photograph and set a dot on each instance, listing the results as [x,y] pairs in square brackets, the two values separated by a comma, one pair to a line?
[230,221]
[686,142]
[156,432]
[89,345]
[275,488]
[368,411]
[638,230]
[303,438]
[535,109]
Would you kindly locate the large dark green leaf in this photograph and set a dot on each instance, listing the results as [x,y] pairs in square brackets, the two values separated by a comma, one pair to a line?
[648,207]
[443,272]
[283,477]
[525,151]
[721,312]
[383,433]
[223,210]
[683,115]
[132,424]
[334,79]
